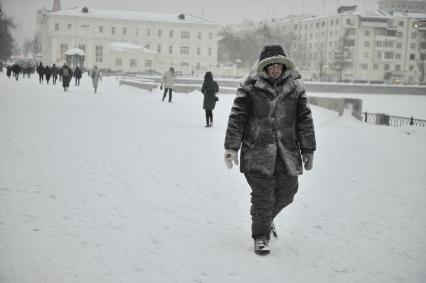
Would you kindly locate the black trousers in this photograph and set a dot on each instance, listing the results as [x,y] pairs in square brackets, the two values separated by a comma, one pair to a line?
[209,117]
[269,196]
[170,94]
[77,81]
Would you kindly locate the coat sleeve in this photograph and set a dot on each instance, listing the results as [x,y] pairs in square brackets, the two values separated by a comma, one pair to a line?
[217,87]
[203,88]
[305,132]
[237,120]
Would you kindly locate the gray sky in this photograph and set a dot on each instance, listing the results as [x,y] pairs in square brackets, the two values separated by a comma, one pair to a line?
[220,11]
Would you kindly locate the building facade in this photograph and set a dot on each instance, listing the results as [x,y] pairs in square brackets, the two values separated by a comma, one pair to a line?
[375,46]
[129,40]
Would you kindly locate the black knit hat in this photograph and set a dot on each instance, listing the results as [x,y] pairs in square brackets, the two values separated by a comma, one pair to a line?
[271,51]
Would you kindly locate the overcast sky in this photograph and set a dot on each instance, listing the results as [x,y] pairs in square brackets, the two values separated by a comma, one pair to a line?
[220,11]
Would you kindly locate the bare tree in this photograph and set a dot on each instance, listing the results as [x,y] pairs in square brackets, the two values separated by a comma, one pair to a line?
[7,43]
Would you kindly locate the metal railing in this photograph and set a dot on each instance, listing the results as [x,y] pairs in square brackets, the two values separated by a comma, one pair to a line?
[389,120]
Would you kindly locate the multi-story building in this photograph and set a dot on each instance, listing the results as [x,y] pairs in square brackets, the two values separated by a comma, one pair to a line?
[128,40]
[361,46]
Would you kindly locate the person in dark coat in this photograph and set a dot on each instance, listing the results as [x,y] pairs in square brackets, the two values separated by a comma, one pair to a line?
[209,89]
[54,71]
[16,69]
[48,73]
[8,71]
[66,76]
[77,75]
[272,123]
[40,72]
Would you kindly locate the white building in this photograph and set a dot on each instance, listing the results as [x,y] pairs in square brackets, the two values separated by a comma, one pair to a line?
[378,45]
[129,40]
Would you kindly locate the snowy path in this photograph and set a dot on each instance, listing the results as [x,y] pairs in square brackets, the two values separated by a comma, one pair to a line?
[119,187]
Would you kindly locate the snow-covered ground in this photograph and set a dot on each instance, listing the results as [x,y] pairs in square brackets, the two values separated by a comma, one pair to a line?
[120,187]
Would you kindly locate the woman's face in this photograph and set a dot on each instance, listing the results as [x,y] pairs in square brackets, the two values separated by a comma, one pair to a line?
[275,70]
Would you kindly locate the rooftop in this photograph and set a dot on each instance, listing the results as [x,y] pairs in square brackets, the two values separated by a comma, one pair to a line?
[130,15]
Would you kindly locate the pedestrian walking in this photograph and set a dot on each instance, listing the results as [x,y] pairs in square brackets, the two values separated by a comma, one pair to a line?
[271,122]
[96,77]
[66,76]
[40,72]
[168,81]
[77,75]
[48,73]
[209,89]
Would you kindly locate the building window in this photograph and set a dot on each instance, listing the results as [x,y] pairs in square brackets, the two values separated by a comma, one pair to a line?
[98,53]
[389,55]
[56,27]
[399,34]
[376,66]
[148,32]
[171,34]
[112,30]
[414,35]
[148,63]
[159,33]
[386,68]
[137,31]
[401,23]
[118,61]
[124,31]
[184,35]
[399,45]
[133,62]
[364,66]
[397,67]
[412,45]
[158,48]
[147,46]
[184,64]
[184,50]
[366,54]
[69,27]
[210,35]
[101,29]
[412,56]
[198,66]
[210,51]
[199,35]
[198,51]
[170,49]
[398,56]
[411,67]
[366,43]
[367,33]
[348,21]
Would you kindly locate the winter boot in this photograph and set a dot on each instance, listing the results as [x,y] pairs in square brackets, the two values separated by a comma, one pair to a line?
[261,246]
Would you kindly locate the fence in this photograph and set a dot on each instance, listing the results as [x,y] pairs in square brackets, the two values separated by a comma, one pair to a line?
[388,120]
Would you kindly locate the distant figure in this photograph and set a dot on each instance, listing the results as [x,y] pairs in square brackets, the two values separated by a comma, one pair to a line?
[209,89]
[54,71]
[66,77]
[1,66]
[77,75]
[8,71]
[60,74]
[168,81]
[96,76]
[16,69]
[48,73]
[40,72]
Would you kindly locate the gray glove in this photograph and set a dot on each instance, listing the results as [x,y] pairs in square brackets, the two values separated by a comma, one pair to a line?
[308,160]
[229,157]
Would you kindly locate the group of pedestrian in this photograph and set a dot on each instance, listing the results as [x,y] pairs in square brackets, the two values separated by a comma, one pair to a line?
[209,89]
[64,73]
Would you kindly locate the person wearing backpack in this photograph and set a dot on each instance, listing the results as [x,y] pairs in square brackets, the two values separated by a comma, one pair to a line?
[209,89]
[66,76]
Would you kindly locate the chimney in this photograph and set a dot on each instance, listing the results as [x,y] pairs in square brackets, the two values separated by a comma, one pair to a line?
[56,5]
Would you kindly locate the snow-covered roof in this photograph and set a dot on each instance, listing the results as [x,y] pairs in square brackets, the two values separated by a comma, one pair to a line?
[130,47]
[131,15]
[74,51]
